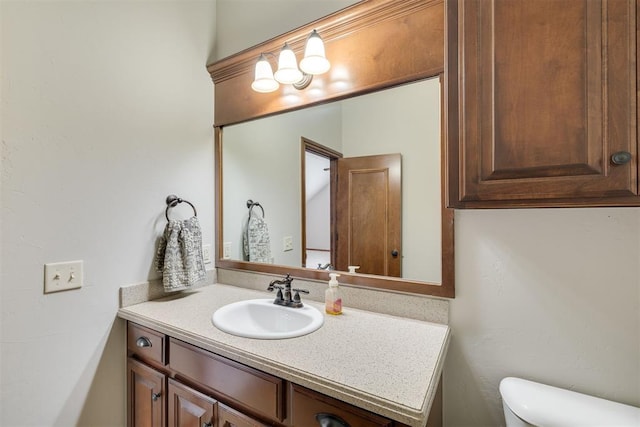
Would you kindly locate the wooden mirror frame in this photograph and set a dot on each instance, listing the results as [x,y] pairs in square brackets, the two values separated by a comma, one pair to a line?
[407,37]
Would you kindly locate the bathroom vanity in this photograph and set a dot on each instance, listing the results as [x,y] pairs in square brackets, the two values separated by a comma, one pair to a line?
[360,368]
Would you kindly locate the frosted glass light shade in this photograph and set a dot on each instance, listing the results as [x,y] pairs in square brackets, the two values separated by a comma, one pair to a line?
[314,61]
[288,72]
[264,81]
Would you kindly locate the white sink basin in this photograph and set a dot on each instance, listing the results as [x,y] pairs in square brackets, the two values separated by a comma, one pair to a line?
[261,318]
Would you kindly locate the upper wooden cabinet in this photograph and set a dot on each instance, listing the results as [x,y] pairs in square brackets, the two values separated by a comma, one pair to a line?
[541,95]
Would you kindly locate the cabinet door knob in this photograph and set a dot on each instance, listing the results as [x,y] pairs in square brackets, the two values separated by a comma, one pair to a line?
[330,420]
[207,425]
[155,396]
[620,157]
[394,253]
[143,342]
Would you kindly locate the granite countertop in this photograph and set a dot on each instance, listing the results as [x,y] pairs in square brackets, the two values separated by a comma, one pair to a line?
[386,364]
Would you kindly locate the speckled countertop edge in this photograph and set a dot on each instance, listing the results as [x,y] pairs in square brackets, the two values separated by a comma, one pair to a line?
[331,360]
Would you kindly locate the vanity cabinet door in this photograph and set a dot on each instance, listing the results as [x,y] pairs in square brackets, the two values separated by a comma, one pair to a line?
[188,407]
[231,418]
[542,102]
[146,398]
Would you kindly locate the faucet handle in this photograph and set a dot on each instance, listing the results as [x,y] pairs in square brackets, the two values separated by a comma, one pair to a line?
[279,296]
[296,296]
[273,286]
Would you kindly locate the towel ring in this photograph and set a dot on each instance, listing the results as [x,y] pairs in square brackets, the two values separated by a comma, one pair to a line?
[173,201]
[251,204]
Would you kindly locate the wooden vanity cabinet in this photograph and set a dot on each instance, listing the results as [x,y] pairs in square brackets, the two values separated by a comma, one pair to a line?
[172,383]
[541,102]
[159,395]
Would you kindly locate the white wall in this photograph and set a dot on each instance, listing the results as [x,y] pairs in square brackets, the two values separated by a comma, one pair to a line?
[552,295]
[387,113]
[106,109]
[271,147]
[245,23]
[547,294]
[319,220]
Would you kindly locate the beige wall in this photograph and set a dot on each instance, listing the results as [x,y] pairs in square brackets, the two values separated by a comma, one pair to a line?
[547,294]
[552,295]
[106,109]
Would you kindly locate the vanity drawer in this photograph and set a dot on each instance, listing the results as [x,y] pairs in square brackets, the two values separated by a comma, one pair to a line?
[260,392]
[146,343]
[306,404]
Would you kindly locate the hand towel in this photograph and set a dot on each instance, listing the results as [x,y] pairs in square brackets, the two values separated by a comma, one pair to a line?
[256,243]
[179,256]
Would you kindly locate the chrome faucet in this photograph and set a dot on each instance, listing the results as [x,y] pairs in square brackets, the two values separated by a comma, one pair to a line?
[327,266]
[284,296]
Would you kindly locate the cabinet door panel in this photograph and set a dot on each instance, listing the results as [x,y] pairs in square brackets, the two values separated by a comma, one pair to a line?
[146,388]
[188,407]
[547,93]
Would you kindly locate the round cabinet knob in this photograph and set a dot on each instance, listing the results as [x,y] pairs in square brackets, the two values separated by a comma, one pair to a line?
[394,253]
[620,158]
[143,342]
[330,420]
[155,396]
[207,425]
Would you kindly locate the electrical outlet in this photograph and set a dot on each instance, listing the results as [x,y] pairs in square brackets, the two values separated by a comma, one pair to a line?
[206,253]
[62,276]
[226,250]
[287,243]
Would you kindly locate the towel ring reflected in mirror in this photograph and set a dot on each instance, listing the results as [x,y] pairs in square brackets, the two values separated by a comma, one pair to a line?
[251,204]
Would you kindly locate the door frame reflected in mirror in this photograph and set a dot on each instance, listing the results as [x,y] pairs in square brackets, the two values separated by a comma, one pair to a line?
[314,148]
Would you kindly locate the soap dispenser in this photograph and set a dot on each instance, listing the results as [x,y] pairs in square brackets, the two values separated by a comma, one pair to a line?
[332,297]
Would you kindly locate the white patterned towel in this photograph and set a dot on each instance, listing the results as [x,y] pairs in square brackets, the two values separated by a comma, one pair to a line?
[257,246]
[179,256]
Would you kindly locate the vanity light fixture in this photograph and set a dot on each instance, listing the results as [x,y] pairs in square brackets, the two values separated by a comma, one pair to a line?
[313,63]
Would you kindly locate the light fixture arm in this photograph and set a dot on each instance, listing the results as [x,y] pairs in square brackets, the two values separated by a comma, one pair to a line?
[303,82]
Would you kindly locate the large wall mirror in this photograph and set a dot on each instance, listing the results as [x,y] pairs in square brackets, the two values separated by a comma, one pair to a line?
[290,153]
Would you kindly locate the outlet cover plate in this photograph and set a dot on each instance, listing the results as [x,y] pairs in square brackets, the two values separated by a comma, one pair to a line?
[287,243]
[226,250]
[62,276]
[206,253]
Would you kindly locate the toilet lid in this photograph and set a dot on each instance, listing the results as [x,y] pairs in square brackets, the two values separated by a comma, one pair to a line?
[544,405]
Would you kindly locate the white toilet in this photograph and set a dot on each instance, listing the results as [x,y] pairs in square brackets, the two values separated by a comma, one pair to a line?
[527,403]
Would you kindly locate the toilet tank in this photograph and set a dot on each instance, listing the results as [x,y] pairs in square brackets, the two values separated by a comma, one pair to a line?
[542,405]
